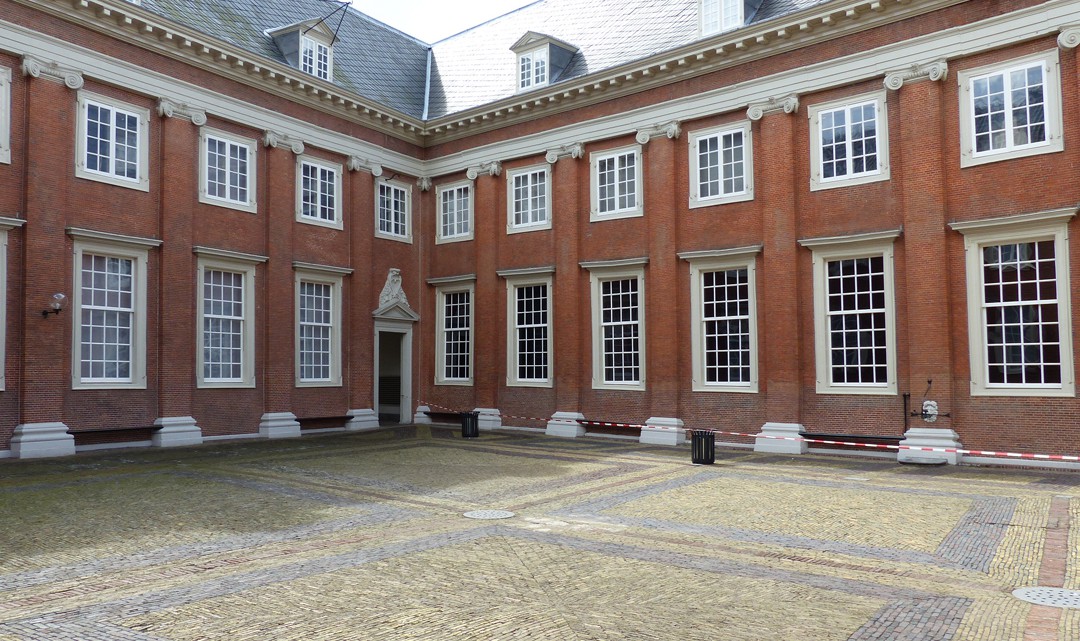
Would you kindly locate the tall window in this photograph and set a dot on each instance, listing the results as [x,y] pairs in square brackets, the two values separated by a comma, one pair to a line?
[228,171]
[318,185]
[5,115]
[720,15]
[529,344]
[529,198]
[455,322]
[616,186]
[618,320]
[726,326]
[318,329]
[392,211]
[112,142]
[315,58]
[455,212]
[533,69]
[226,318]
[721,164]
[1011,110]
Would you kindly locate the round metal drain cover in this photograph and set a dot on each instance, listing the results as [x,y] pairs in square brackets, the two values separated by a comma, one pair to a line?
[488,514]
[1053,597]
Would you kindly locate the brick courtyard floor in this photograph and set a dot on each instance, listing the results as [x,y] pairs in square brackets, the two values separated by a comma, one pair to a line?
[361,536]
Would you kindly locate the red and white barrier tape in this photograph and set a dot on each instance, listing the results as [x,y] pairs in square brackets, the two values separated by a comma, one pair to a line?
[912,448]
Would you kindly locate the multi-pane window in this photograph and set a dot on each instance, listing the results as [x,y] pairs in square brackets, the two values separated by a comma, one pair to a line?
[721,162]
[318,193]
[849,142]
[857,319]
[393,211]
[720,15]
[529,198]
[106,318]
[223,326]
[533,69]
[455,336]
[316,329]
[616,184]
[531,333]
[112,142]
[620,327]
[455,212]
[227,171]
[726,326]
[315,58]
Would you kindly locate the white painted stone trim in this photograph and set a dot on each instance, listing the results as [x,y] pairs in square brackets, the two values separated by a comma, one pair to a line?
[669,130]
[171,109]
[788,104]
[278,140]
[363,420]
[933,71]
[662,430]
[36,68]
[5,115]
[565,424]
[176,431]
[39,440]
[490,418]
[778,444]
[279,425]
[929,437]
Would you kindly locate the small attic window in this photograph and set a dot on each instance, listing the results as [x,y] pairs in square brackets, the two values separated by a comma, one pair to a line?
[721,15]
[541,60]
[315,58]
[307,46]
[533,69]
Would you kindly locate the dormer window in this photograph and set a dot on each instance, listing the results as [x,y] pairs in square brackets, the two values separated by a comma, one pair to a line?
[533,69]
[718,16]
[314,57]
[541,60]
[307,46]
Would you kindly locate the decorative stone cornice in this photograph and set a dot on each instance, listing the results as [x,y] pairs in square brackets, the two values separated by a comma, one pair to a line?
[669,129]
[72,78]
[788,104]
[1069,38]
[424,183]
[493,168]
[356,163]
[274,139]
[934,71]
[574,150]
[168,109]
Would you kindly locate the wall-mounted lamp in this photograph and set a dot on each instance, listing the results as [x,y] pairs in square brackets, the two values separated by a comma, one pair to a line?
[55,306]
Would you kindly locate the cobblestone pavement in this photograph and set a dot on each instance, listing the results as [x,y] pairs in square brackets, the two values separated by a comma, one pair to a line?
[361,536]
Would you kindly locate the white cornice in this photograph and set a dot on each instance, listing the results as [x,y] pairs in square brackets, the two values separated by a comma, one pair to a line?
[323,269]
[614,264]
[228,254]
[1052,216]
[707,254]
[79,233]
[451,280]
[851,239]
[7,223]
[525,271]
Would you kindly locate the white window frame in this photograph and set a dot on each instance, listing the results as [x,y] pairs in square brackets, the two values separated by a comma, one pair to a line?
[307,42]
[531,57]
[334,281]
[6,225]
[743,195]
[5,116]
[1018,229]
[318,165]
[250,205]
[595,159]
[718,16]
[441,192]
[469,287]
[702,263]
[113,246]
[142,181]
[513,284]
[394,184]
[215,260]
[511,202]
[606,271]
[846,248]
[1055,140]
[881,117]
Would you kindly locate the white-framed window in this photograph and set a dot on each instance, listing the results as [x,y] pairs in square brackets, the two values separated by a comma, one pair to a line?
[616,183]
[721,165]
[1011,109]
[618,324]
[720,15]
[109,313]
[226,312]
[6,225]
[316,58]
[723,330]
[454,334]
[393,211]
[318,192]
[528,336]
[113,142]
[455,212]
[533,69]
[318,329]
[1019,312]
[854,314]
[227,170]
[528,199]
[849,142]
[5,115]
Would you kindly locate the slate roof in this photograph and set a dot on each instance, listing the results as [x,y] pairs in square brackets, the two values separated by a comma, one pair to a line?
[469,69]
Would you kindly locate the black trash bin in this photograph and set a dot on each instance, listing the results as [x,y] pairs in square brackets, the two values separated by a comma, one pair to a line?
[470,424]
[702,447]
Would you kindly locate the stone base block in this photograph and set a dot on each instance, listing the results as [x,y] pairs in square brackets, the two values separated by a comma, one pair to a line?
[39,440]
[662,430]
[566,424]
[362,421]
[176,431]
[490,418]
[778,443]
[929,437]
[279,425]
[420,418]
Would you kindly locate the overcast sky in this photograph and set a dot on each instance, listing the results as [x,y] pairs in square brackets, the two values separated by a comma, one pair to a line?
[433,20]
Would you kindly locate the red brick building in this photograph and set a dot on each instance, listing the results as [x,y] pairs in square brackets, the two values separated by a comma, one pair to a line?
[768,216]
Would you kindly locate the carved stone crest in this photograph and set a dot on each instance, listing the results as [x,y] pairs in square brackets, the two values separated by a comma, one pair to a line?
[391,291]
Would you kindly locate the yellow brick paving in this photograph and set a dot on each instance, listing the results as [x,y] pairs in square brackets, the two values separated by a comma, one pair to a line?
[360,536]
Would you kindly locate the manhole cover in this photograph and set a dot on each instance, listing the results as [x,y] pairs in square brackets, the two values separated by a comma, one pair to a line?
[1053,597]
[488,514]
